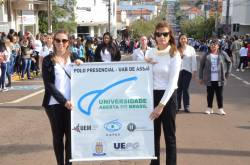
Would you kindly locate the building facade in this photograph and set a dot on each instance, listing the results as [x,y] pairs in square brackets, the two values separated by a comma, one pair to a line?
[20,15]
[93,19]
[239,16]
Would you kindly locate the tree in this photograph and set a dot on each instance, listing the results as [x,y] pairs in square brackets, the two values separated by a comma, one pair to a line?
[43,21]
[63,17]
[142,27]
[198,28]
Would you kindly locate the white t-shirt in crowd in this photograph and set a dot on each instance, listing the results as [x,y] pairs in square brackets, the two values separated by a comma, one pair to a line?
[46,51]
[138,54]
[243,51]
[214,67]
[106,56]
[38,45]
[189,62]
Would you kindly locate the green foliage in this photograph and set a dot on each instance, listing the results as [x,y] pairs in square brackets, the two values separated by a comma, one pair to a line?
[43,21]
[62,17]
[142,27]
[198,28]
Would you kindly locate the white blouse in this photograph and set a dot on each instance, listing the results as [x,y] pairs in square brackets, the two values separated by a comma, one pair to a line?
[138,54]
[165,71]
[62,81]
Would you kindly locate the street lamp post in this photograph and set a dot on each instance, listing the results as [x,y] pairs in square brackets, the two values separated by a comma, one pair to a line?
[216,16]
[49,17]
[109,15]
[227,18]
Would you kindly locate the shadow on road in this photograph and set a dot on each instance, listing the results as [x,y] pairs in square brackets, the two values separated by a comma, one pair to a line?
[22,107]
[244,127]
[217,152]
[23,148]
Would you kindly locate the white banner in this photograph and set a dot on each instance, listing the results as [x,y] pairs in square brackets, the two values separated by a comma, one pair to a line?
[110,119]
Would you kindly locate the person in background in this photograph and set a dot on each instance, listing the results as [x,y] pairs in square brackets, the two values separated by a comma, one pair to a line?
[37,49]
[89,49]
[47,48]
[9,60]
[43,39]
[215,69]
[139,53]
[107,51]
[81,50]
[73,47]
[16,51]
[235,48]
[26,53]
[247,40]
[243,58]
[166,62]
[4,55]
[188,71]
[56,73]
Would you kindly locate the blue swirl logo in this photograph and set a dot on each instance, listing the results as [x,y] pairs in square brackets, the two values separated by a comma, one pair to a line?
[98,93]
[113,126]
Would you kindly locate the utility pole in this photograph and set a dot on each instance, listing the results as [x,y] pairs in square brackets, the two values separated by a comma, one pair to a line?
[205,10]
[141,13]
[228,30]
[109,15]
[216,17]
[49,17]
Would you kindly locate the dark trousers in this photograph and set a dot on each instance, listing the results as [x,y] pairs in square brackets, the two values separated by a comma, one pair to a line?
[218,90]
[26,64]
[167,119]
[183,87]
[3,74]
[243,62]
[60,123]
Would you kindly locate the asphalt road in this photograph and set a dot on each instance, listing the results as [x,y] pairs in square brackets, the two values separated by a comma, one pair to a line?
[25,136]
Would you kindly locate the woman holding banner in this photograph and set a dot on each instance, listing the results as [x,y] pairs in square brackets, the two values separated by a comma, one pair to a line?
[56,70]
[166,66]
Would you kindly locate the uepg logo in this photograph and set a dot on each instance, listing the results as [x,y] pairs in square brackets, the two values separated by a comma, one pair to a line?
[126,146]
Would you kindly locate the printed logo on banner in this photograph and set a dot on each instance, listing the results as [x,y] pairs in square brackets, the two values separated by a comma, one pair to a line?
[113,126]
[79,128]
[131,127]
[98,93]
[99,147]
[126,146]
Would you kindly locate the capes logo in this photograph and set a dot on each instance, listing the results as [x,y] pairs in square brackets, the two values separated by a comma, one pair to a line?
[98,93]
[113,126]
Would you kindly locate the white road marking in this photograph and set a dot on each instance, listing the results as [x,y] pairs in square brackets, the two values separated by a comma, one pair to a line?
[238,78]
[24,98]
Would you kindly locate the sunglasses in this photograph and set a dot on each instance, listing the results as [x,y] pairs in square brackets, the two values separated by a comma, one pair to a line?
[64,41]
[158,34]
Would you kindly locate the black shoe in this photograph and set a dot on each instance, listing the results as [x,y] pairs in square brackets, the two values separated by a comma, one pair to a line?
[187,110]
[8,85]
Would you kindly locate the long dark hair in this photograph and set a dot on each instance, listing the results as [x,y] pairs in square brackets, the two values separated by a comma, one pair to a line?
[110,46]
[2,46]
[179,46]
[164,24]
